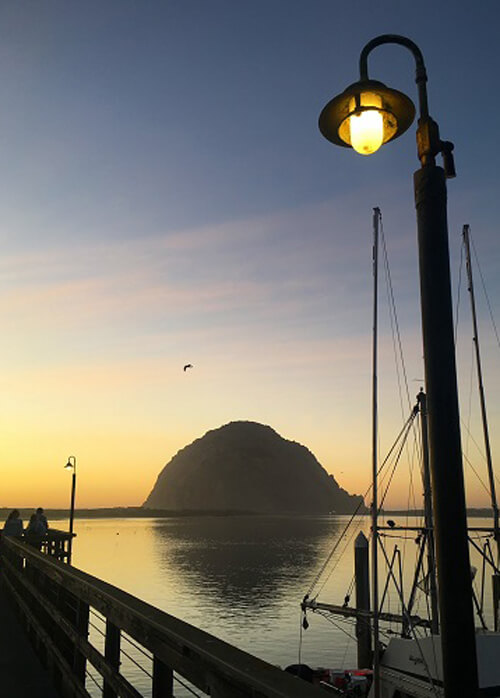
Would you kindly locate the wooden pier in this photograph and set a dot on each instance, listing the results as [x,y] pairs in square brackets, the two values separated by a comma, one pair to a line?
[21,672]
[55,605]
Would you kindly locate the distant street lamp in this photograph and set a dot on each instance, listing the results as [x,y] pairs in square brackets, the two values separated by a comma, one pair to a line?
[71,465]
[365,116]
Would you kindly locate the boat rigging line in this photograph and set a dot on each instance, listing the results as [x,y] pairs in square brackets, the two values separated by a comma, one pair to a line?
[393,316]
[459,288]
[484,290]
[398,454]
[402,434]
[373,616]
[482,399]
[400,365]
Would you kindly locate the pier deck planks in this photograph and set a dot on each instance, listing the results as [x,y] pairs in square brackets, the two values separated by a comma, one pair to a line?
[21,673]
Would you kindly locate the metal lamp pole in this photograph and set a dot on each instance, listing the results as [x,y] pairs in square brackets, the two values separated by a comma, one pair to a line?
[71,465]
[450,525]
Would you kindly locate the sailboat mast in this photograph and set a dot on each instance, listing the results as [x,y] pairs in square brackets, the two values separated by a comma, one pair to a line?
[482,400]
[374,509]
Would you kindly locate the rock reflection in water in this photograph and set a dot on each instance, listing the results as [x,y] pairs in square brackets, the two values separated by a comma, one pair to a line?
[246,562]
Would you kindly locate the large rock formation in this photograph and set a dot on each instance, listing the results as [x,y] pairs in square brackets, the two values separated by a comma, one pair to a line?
[246,466]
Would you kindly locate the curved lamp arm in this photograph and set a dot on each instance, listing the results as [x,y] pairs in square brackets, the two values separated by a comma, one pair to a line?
[428,140]
[71,464]
[421,74]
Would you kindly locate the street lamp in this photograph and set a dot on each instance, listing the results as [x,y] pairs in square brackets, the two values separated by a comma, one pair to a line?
[71,465]
[365,116]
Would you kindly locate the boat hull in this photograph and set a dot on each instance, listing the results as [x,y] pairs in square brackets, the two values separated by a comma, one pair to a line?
[414,668]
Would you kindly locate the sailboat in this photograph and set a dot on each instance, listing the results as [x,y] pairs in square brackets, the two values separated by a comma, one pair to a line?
[410,662]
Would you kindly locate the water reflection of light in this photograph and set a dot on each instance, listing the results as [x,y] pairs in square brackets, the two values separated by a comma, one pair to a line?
[122,552]
[239,578]
[243,563]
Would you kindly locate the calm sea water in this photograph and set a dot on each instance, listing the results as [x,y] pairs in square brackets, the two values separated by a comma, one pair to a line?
[239,578]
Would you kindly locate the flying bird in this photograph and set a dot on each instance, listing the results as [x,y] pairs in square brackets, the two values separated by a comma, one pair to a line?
[188,366]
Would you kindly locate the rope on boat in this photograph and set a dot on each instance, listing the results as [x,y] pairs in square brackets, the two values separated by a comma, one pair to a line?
[400,362]
[393,315]
[348,543]
[401,374]
[470,437]
[469,463]
[334,549]
[398,455]
[469,406]
[410,624]
[459,288]
[485,291]
[356,511]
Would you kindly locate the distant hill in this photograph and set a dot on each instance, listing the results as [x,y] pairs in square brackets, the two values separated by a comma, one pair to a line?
[246,466]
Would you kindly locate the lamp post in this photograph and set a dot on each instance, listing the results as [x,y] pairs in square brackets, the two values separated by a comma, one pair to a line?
[366,115]
[71,465]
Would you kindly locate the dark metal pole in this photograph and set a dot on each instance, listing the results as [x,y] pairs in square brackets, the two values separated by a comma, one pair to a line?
[429,523]
[496,598]
[362,576]
[450,524]
[72,514]
[71,465]
[374,512]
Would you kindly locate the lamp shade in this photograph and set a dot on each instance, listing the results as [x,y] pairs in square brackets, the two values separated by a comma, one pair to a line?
[366,115]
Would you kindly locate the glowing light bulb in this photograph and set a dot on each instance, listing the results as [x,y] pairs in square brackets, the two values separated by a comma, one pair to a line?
[367,131]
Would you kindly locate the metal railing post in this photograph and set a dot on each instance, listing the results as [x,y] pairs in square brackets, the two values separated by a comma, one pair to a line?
[112,655]
[163,680]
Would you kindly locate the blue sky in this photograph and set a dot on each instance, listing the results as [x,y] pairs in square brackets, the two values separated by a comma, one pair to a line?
[166,197]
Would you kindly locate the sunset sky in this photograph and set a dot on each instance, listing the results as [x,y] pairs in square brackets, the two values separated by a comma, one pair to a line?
[166,197]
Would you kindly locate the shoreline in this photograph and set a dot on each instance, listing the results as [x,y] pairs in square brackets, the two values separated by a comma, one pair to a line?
[140,512]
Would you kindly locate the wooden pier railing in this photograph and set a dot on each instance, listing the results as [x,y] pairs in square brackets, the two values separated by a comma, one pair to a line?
[55,603]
